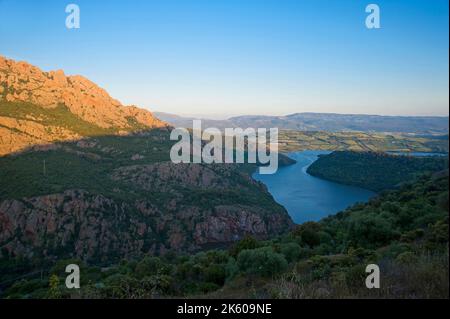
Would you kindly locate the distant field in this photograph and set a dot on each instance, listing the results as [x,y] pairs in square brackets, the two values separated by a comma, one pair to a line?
[358,141]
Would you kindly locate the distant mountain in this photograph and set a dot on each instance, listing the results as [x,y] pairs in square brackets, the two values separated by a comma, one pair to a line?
[186,121]
[329,122]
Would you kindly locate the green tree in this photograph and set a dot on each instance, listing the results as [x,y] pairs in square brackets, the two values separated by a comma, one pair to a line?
[261,261]
[248,242]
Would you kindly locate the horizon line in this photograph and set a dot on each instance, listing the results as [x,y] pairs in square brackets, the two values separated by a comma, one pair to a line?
[218,117]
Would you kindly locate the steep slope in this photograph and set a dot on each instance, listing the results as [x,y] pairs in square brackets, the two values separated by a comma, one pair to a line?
[116,197]
[38,107]
[85,177]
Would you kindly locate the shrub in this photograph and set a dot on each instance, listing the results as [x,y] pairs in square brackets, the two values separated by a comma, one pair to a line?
[150,266]
[412,235]
[215,274]
[355,276]
[247,242]
[407,258]
[292,251]
[395,249]
[370,230]
[309,233]
[261,261]
[158,284]
[231,268]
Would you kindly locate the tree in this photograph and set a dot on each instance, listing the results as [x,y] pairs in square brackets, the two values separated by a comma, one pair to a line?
[309,233]
[248,242]
[261,261]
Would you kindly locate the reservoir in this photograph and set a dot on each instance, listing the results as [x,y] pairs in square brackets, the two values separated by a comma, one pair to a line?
[308,198]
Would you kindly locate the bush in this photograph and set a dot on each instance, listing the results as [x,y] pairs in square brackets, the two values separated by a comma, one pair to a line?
[355,276]
[370,230]
[393,250]
[231,268]
[407,258]
[261,261]
[150,266]
[158,284]
[412,235]
[215,274]
[247,243]
[292,251]
[309,233]
[439,232]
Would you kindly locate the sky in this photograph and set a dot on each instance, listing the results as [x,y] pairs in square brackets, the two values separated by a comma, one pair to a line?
[219,58]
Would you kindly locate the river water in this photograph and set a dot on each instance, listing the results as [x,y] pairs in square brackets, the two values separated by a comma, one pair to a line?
[309,198]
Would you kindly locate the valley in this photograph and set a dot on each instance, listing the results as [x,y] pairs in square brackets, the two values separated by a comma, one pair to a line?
[329,138]
[85,179]
[306,197]
[291,141]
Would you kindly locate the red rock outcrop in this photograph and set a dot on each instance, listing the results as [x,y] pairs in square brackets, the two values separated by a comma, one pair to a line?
[96,228]
[20,81]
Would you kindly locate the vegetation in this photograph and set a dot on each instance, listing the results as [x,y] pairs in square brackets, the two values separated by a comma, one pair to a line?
[290,141]
[69,165]
[404,231]
[130,175]
[59,116]
[374,171]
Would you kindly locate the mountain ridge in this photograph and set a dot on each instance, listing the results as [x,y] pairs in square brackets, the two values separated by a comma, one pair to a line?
[330,122]
[38,107]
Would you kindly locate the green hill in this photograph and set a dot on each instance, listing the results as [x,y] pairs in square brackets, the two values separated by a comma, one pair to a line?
[374,171]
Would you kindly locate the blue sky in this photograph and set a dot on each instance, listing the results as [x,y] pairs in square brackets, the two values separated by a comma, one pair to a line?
[229,57]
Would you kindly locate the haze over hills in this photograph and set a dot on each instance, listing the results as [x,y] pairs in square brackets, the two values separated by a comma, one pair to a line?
[322,131]
[329,122]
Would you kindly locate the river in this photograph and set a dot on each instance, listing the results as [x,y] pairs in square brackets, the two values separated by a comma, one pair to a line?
[308,198]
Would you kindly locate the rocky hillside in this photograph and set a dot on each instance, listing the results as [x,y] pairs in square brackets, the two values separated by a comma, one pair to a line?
[116,197]
[96,181]
[38,107]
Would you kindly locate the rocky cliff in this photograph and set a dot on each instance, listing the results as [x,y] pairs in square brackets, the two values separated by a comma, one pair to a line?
[24,86]
[96,228]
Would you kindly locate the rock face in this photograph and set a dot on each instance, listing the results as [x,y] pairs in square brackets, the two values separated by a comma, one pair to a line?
[98,229]
[22,84]
[18,134]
